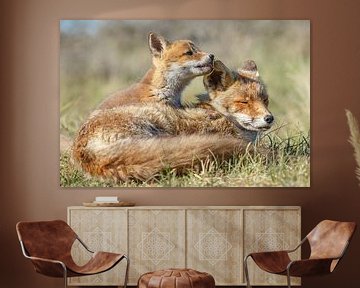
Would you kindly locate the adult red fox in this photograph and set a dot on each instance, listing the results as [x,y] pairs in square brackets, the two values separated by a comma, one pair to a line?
[239,95]
[175,64]
[138,141]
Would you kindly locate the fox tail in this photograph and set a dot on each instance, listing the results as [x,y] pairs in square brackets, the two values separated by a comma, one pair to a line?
[142,159]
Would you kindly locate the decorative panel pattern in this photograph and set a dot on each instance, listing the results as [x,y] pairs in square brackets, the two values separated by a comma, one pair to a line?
[101,230]
[270,230]
[156,240]
[214,241]
[209,239]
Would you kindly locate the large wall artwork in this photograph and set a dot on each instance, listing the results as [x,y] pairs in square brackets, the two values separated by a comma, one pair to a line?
[184,103]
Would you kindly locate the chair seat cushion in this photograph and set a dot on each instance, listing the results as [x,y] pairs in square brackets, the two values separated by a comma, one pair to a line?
[176,278]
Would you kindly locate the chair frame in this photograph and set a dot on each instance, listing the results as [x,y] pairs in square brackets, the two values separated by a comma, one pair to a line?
[246,270]
[23,249]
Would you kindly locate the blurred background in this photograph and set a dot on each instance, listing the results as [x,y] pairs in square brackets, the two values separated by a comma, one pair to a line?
[98,57]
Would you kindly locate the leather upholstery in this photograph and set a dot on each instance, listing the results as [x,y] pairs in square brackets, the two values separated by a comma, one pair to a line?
[328,242]
[53,240]
[176,278]
[328,238]
[272,262]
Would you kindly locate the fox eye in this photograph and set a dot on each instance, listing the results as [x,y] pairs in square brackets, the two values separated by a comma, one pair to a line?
[189,53]
[244,102]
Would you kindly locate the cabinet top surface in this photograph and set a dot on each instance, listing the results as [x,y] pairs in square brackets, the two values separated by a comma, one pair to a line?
[192,207]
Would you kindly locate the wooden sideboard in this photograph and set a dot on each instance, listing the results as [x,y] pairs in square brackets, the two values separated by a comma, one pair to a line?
[212,239]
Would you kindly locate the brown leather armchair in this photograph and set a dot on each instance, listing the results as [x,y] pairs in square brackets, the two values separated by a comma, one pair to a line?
[48,245]
[328,242]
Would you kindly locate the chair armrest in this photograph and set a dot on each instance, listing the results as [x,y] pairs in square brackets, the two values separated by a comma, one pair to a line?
[298,246]
[281,251]
[309,267]
[48,267]
[268,253]
[84,245]
[45,260]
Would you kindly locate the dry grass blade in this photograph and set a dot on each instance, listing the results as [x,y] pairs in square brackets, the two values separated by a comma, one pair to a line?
[354,139]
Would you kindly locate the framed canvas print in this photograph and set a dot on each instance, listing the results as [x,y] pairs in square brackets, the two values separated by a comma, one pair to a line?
[185,103]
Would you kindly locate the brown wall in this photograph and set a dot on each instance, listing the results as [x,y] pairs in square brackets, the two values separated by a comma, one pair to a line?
[29,112]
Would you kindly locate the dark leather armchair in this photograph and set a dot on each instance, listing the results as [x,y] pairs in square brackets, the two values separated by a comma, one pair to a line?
[48,245]
[328,242]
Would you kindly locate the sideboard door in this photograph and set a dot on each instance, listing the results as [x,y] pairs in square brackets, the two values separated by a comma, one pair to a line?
[268,230]
[156,240]
[214,244]
[101,230]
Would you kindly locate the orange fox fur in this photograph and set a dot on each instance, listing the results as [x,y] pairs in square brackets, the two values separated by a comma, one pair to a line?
[240,96]
[175,64]
[138,141]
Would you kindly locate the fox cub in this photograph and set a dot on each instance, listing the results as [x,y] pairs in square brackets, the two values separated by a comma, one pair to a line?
[175,64]
[138,141]
[240,96]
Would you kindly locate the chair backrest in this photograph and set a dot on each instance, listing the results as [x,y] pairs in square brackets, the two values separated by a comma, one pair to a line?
[46,239]
[329,239]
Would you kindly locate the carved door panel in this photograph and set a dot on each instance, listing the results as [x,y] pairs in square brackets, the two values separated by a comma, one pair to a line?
[214,244]
[101,230]
[267,230]
[157,240]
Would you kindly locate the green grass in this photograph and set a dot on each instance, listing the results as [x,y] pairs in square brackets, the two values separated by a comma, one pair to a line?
[286,163]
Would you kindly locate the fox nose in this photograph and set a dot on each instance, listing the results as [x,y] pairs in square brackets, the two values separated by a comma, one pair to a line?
[269,118]
[212,57]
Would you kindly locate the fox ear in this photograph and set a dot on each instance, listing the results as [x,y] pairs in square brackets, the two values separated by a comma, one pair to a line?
[220,78]
[249,70]
[157,44]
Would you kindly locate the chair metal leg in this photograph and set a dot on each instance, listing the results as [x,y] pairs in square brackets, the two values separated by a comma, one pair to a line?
[65,275]
[288,278]
[246,271]
[127,271]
